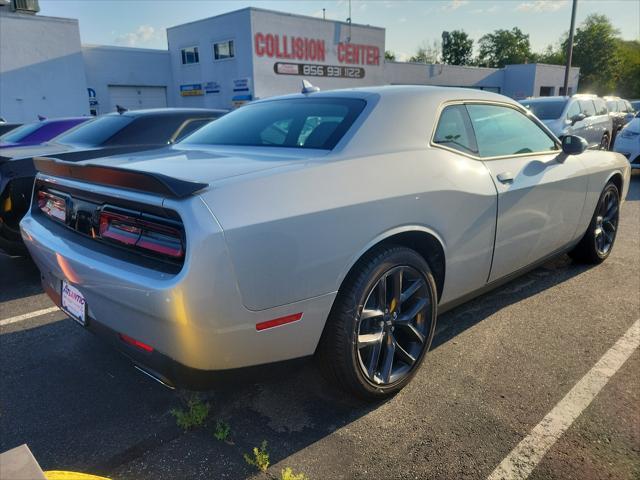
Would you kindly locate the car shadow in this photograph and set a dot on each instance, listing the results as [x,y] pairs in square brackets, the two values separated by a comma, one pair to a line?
[19,278]
[80,405]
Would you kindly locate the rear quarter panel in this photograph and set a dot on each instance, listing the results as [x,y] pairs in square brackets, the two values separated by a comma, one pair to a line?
[294,235]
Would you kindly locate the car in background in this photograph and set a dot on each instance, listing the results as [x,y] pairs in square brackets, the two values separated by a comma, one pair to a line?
[110,134]
[39,132]
[628,141]
[583,115]
[621,112]
[6,127]
[635,104]
[312,224]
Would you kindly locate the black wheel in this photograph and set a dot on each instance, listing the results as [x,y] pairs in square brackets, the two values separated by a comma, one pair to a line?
[604,142]
[381,324]
[597,243]
[11,240]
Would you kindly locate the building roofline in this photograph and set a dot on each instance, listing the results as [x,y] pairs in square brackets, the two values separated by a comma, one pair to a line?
[117,47]
[277,12]
[42,18]
[471,67]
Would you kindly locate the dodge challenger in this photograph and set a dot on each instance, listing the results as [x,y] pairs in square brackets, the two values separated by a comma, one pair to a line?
[336,224]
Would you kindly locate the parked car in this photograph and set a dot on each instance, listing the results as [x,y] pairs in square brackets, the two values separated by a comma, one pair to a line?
[39,132]
[6,127]
[621,112]
[635,104]
[583,115]
[628,142]
[107,135]
[257,239]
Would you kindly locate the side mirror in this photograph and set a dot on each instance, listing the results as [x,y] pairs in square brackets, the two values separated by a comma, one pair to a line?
[573,145]
[578,117]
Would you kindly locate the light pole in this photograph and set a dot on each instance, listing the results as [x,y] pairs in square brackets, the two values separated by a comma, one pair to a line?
[570,48]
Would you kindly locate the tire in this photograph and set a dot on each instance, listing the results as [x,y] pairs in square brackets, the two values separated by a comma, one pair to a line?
[604,142]
[361,331]
[597,242]
[11,241]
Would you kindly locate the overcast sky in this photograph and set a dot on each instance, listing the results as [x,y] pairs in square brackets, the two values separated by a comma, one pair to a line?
[142,23]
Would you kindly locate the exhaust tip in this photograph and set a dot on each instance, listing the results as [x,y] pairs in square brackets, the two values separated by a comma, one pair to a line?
[155,376]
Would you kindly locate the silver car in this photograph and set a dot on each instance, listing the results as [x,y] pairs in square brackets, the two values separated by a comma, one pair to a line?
[585,116]
[330,223]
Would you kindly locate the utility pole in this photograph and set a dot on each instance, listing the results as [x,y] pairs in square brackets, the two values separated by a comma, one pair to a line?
[323,14]
[570,48]
[349,22]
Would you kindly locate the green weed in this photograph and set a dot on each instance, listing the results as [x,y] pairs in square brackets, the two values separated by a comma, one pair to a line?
[222,431]
[260,458]
[194,416]
[287,474]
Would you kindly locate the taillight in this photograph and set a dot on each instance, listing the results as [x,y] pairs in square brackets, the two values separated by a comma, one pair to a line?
[53,205]
[141,233]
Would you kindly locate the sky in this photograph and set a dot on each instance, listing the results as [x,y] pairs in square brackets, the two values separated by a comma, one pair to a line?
[409,23]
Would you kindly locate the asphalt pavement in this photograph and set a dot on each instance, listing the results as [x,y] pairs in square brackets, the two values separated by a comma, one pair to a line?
[498,366]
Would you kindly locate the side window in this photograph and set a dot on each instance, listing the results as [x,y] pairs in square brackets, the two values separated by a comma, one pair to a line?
[191,126]
[601,106]
[506,131]
[316,130]
[276,133]
[588,108]
[574,109]
[612,105]
[630,108]
[621,106]
[455,131]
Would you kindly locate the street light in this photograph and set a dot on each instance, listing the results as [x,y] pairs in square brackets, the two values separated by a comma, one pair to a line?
[570,48]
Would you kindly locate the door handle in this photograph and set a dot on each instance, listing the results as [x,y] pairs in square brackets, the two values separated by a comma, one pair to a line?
[505,177]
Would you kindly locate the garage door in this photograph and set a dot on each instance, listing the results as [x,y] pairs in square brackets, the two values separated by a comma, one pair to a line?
[136,98]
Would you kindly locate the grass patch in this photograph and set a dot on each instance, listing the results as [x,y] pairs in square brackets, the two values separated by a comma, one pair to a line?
[260,458]
[193,416]
[287,474]
[222,431]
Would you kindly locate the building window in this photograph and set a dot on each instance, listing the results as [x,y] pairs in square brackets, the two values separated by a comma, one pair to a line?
[561,91]
[190,55]
[547,91]
[222,50]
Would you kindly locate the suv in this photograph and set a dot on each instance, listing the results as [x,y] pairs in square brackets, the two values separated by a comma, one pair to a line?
[586,116]
[621,112]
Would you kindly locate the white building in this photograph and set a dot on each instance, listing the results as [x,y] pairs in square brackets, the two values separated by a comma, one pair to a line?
[219,62]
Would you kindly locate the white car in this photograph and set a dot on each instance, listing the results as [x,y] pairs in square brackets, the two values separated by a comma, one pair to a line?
[628,142]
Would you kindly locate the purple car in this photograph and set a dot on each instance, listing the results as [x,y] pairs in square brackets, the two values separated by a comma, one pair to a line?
[39,132]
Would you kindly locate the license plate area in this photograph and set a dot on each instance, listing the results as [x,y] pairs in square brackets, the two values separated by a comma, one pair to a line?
[74,303]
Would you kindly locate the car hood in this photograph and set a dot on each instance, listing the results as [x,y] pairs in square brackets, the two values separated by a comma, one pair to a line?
[208,165]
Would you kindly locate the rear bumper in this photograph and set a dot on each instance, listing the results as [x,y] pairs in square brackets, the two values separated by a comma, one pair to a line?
[194,318]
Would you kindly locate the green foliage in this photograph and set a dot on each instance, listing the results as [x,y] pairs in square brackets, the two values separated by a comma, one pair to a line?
[260,458]
[389,56]
[457,48]
[426,53]
[287,474]
[504,47]
[628,78]
[552,56]
[222,431]
[595,51]
[194,416]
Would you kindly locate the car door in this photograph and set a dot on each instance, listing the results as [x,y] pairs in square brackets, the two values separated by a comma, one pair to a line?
[591,129]
[541,191]
[579,128]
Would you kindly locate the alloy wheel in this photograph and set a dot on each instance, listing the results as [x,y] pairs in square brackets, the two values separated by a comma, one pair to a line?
[394,325]
[606,222]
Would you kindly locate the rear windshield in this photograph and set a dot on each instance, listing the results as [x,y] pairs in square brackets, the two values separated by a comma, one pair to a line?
[95,132]
[547,110]
[295,123]
[20,133]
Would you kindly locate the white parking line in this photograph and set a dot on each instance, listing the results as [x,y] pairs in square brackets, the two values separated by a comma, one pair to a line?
[527,454]
[26,316]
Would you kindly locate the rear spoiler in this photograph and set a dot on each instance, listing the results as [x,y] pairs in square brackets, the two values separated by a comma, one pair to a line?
[146,182]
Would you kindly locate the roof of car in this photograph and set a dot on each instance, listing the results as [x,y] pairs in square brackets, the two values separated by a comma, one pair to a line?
[440,93]
[169,111]
[546,99]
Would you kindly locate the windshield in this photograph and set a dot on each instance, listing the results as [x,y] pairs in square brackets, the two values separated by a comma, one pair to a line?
[547,110]
[96,132]
[295,123]
[20,133]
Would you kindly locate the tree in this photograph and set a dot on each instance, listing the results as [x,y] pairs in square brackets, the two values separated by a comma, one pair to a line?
[504,47]
[552,56]
[628,82]
[457,48]
[389,56]
[426,53]
[595,51]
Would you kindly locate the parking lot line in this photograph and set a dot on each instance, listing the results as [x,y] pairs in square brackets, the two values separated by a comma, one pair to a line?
[26,316]
[529,452]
